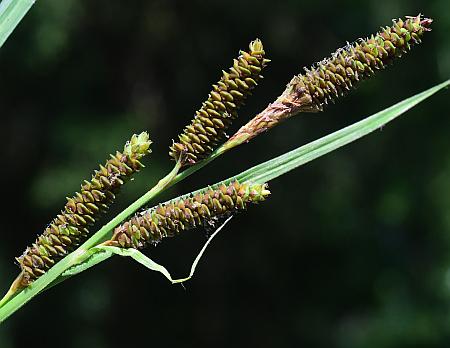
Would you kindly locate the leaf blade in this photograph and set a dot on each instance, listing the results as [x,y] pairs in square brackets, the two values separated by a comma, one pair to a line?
[280,165]
[11,13]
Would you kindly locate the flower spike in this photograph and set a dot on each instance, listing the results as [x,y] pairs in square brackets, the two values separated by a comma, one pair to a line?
[208,128]
[201,209]
[71,227]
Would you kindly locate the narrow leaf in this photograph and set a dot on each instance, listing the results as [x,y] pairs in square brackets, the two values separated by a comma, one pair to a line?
[11,13]
[280,165]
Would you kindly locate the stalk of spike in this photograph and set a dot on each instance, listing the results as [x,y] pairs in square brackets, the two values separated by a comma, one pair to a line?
[332,77]
[209,126]
[201,209]
[71,227]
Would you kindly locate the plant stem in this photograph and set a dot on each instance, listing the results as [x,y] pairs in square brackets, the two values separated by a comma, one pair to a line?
[163,184]
[191,170]
[15,302]
[11,13]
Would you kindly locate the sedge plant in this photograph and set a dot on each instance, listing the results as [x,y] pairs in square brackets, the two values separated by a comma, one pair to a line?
[68,245]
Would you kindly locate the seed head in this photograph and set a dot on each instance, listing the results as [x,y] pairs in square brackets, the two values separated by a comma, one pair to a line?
[208,128]
[201,209]
[334,76]
[71,227]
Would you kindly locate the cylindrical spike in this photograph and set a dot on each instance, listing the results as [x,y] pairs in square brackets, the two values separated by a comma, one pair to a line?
[173,217]
[69,229]
[220,109]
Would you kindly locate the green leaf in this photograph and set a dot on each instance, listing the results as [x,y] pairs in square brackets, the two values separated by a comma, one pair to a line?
[11,13]
[280,165]
[283,164]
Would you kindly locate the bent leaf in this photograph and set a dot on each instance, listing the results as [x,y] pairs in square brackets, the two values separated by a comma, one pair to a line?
[102,252]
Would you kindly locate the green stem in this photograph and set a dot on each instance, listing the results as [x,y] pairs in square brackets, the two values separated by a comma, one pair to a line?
[191,170]
[179,177]
[13,304]
[11,13]
[55,277]
[103,233]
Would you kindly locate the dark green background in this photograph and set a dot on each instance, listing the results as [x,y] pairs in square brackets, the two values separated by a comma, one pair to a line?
[352,250]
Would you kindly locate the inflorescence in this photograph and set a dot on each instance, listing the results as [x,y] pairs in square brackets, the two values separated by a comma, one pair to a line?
[209,126]
[307,92]
[334,76]
[71,227]
[203,208]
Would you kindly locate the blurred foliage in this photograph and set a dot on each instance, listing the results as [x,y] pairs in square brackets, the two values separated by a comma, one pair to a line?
[352,250]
